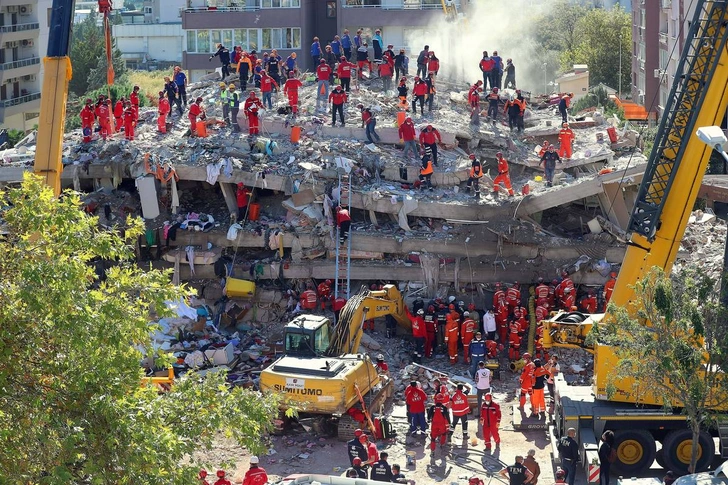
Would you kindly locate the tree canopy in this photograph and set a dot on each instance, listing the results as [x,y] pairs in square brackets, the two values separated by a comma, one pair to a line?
[674,345]
[88,57]
[72,407]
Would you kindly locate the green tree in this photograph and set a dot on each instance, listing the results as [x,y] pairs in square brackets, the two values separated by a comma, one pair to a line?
[556,30]
[602,36]
[678,356]
[88,54]
[72,407]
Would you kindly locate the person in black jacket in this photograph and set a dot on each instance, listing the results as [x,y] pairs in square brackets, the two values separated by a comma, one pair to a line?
[569,451]
[355,448]
[605,450]
[224,54]
[381,471]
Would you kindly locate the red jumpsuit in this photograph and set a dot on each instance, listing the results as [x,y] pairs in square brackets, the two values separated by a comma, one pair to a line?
[134,98]
[503,177]
[608,290]
[223,481]
[163,111]
[513,297]
[103,114]
[491,349]
[129,123]
[308,300]
[418,332]
[542,312]
[490,417]
[255,476]
[498,296]
[542,294]
[452,328]
[514,341]
[501,320]
[431,328]
[118,115]
[252,105]
[291,89]
[194,112]
[527,383]
[439,418]
[87,123]
[520,316]
[566,138]
[324,294]
[589,304]
[467,332]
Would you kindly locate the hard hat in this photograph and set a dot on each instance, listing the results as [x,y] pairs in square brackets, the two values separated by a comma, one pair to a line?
[221,473]
[479,82]
[328,282]
[223,85]
[322,61]
[545,143]
[551,147]
[420,311]
[89,100]
[432,53]
[198,100]
[254,460]
[439,398]
[564,274]
[471,306]
[408,120]
[495,90]
[461,303]
[363,438]
[373,287]
[466,313]
[356,461]
[231,86]
[202,474]
[537,362]
[565,125]
[431,308]
[498,285]
[474,481]
[450,299]
[417,78]
[451,307]
[338,87]
[499,154]
[161,94]
[554,282]
[342,58]
[488,396]
[380,357]
[540,280]
[560,473]
[358,433]
[613,274]
[515,283]
[526,355]
[472,156]
[360,106]
[429,127]
[252,94]
[567,289]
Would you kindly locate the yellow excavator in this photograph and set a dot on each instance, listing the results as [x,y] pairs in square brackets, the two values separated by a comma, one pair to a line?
[669,188]
[322,372]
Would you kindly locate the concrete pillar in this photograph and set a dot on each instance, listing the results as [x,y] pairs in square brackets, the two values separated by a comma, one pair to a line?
[228,192]
[613,205]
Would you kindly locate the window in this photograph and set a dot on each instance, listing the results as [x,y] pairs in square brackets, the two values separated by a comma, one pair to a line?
[330,10]
[203,41]
[227,38]
[148,10]
[280,4]
[285,38]
[215,38]
[191,41]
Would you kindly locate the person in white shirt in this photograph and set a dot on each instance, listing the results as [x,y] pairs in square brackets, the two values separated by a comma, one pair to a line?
[489,325]
[482,382]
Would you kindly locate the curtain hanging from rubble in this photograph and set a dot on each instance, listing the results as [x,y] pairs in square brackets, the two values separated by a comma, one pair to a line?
[430,272]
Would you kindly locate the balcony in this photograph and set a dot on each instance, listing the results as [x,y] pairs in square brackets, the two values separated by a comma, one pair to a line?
[239,5]
[19,32]
[663,38]
[21,104]
[397,4]
[19,68]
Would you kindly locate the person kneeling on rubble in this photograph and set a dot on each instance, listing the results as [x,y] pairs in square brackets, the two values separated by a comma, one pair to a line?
[476,173]
[426,172]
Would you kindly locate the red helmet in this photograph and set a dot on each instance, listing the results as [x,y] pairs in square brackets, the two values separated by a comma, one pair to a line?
[515,283]
[221,473]
[474,481]
[526,355]
[613,274]
[322,61]
[554,282]
[417,78]
[358,433]
[488,396]
[442,306]
[328,282]
[431,308]
[499,154]
[451,307]
[498,285]
[373,287]
[89,101]
[471,306]
[439,398]
[363,438]
[564,274]
[202,474]
[472,156]
[560,473]
[356,461]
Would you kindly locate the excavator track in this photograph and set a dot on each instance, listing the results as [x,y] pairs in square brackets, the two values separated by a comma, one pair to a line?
[347,425]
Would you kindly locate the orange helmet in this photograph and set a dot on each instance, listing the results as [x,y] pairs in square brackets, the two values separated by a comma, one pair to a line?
[613,274]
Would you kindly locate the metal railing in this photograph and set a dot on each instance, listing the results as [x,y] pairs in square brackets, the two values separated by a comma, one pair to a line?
[396,4]
[20,63]
[6,103]
[19,27]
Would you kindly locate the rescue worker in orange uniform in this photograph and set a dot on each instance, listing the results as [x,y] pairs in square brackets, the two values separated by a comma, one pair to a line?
[324,292]
[526,381]
[513,296]
[291,88]
[162,112]
[566,141]
[103,112]
[503,176]
[520,318]
[119,114]
[251,107]
[476,173]
[467,332]
[195,111]
[490,417]
[426,172]
[439,419]
[88,117]
[538,401]
[134,98]
[452,330]
[609,289]
[460,410]
[221,479]
[309,300]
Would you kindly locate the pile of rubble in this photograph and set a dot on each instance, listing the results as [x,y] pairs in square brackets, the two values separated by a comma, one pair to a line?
[703,245]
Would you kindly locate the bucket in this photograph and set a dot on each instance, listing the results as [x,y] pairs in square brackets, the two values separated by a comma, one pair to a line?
[201,129]
[612,133]
[538,178]
[254,211]
[295,134]
[401,115]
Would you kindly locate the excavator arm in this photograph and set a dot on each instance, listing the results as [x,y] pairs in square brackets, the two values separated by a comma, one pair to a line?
[363,306]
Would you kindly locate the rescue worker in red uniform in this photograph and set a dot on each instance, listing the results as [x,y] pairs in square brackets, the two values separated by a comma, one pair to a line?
[514,341]
[467,332]
[542,311]
[568,301]
[251,107]
[308,300]
[476,173]
[431,329]
[134,98]
[503,176]
[609,289]
[520,318]
[439,420]
[419,333]
[324,293]
[337,305]
[490,417]
[202,477]
[526,381]
[419,93]
[103,112]
[589,303]
[88,117]
[129,122]
[119,113]
[552,293]
[541,292]
[501,319]
[221,479]
[452,330]
[439,388]
[429,138]
[195,111]
[343,72]
[513,296]
[460,410]
[162,112]
[566,141]
[492,348]
[337,98]
[499,295]
[291,88]
[415,398]
[256,475]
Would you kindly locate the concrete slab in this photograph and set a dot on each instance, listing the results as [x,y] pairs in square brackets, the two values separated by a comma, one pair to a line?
[522,420]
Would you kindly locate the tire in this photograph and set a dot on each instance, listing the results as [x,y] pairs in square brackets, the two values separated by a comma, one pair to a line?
[676,448]
[635,451]
[660,458]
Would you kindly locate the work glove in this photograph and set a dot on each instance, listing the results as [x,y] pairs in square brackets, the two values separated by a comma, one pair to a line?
[210,59]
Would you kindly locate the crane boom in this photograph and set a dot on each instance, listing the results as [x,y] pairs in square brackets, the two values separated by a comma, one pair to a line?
[56,75]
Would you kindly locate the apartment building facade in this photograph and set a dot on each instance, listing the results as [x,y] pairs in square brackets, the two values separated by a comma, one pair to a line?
[290,25]
[23,43]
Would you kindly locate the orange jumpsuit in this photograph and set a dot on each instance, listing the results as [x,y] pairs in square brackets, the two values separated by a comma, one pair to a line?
[503,176]
[538,402]
[164,109]
[608,290]
[566,138]
[527,383]
[452,329]
[291,89]
[467,332]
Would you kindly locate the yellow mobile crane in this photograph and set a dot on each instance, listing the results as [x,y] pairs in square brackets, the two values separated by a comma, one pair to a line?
[665,200]
[321,367]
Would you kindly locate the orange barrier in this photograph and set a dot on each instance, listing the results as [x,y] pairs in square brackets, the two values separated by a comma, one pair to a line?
[295,135]
[254,211]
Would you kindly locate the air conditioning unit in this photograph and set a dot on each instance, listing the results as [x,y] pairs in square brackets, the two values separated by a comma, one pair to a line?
[26,9]
[29,77]
[28,43]
[657,73]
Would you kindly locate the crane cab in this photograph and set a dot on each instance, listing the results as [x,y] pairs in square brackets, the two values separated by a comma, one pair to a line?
[307,336]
